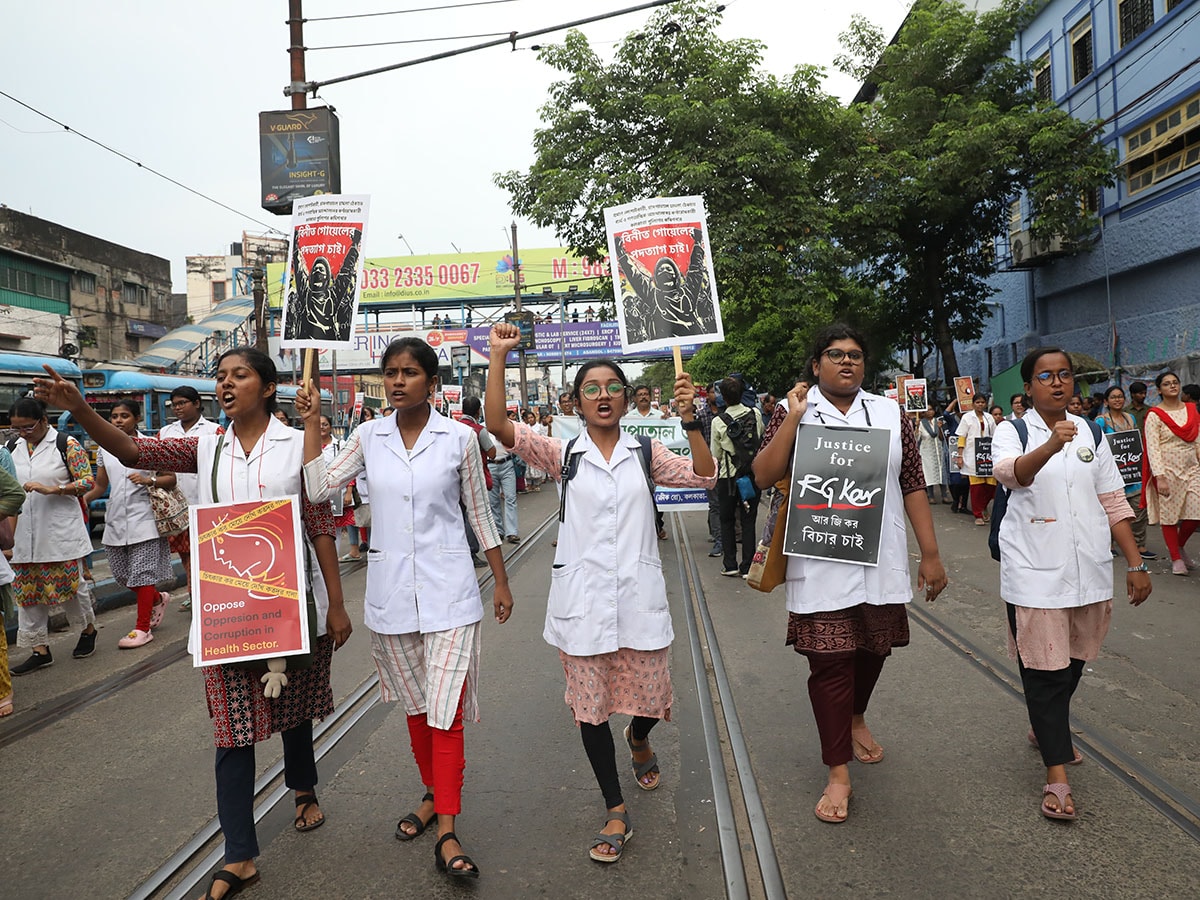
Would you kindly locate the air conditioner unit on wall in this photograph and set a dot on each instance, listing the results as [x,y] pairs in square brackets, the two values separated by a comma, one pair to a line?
[1021,246]
[1047,246]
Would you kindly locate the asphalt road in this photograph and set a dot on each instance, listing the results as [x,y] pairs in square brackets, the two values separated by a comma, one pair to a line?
[98,799]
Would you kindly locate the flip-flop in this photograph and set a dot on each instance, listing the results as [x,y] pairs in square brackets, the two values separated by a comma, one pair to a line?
[1062,792]
[416,822]
[236,885]
[303,802]
[835,795]
[867,757]
[1033,741]
[641,770]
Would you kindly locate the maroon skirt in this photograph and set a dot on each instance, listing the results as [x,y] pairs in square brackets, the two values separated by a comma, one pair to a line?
[843,632]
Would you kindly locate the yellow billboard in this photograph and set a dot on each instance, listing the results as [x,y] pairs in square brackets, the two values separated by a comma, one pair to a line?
[461,276]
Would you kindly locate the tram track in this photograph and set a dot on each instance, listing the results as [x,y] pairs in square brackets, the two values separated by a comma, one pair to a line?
[746,873]
[1168,799]
[185,871]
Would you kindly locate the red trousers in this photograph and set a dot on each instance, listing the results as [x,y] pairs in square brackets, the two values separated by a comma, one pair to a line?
[981,496]
[440,759]
[840,688]
[1175,536]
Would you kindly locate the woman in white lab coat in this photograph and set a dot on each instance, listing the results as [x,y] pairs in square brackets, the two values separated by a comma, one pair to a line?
[423,605]
[51,535]
[607,613]
[843,616]
[258,458]
[1066,507]
[140,558]
[976,423]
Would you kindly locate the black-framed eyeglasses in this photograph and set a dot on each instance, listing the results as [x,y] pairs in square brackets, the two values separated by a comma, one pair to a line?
[837,354]
[175,404]
[1062,376]
[592,391]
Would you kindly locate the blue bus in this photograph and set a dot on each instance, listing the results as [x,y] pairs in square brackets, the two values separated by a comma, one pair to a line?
[17,371]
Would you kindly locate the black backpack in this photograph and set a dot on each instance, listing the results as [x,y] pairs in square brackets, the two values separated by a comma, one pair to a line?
[1000,504]
[743,433]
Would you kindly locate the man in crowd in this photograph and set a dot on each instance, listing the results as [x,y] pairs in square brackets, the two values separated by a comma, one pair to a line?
[736,434]
[1137,407]
[503,493]
[487,448]
[642,404]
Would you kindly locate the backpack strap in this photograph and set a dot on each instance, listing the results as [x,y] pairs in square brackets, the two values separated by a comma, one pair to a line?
[1022,431]
[61,443]
[570,466]
[216,464]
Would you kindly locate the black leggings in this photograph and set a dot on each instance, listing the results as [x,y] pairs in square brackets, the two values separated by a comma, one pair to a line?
[602,754]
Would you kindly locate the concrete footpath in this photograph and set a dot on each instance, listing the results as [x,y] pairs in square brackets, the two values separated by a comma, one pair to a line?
[950,812]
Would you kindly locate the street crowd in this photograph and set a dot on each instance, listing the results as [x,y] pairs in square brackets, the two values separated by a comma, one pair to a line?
[449,488]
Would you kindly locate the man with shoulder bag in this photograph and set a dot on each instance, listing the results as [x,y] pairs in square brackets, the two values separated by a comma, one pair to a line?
[736,434]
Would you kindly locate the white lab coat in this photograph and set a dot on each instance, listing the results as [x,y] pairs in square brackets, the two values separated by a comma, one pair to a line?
[825,585]
[128,517]
[419,572]
[189,484]
[607,589]
[1055,538]
[271,471]
[970,428]
[50,528]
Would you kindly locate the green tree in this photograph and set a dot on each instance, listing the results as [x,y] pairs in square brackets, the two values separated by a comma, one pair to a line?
[680,111]
[952,133]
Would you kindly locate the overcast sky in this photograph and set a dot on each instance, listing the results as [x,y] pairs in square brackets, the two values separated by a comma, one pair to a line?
[178,87]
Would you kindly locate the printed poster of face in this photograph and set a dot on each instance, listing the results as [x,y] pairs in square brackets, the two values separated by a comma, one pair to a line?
[663,277]
[836,500]
[916,395]
[325,263]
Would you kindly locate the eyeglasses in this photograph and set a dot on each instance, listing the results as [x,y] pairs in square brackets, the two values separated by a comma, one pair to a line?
[27,429]
[1169,384]
[175,404]
[836,355]
[1062,376]
[592,391]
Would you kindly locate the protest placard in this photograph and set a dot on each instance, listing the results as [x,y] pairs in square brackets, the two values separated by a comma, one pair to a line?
[325,261]
[452,393]
[839,484]
[900,380]
[952,449]
[1127,451]
[964,390]
[983,457]
[248,585]
[916,396]
[663,280]
[891,394]
[455,411]
[359,399]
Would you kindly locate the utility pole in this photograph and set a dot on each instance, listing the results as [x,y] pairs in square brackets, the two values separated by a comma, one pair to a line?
[296,53]
[517,304]
[260,307]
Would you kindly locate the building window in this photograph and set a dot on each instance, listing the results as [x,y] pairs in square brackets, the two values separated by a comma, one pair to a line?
[1171,4]
[131,343]
[1014,217]
[218,291]
[53,289]
[18,280]
[1082,57]
[1164,147]
[1041,78]
[1135,16]
[1090,201]
[133,293]
[85,282]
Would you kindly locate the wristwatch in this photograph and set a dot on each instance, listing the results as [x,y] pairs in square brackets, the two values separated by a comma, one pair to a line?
[1141,568]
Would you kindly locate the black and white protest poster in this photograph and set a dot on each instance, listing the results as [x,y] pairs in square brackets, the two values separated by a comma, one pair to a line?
[839,484]
[916,395]
[321,290]
[663,282]
[1127,450]
[983,457]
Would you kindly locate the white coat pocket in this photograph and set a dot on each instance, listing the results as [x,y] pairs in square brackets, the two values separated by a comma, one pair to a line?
[568,593]
[651,586]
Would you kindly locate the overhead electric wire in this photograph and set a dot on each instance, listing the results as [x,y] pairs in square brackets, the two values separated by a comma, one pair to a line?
[128,158]
[428,40]
[400,12]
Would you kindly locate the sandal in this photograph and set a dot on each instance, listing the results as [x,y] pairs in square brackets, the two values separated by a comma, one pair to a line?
[1062,792]
[641,770]
[303,802]
[6,705]
[468,870]
[236,885]
[415,821]
[867,756]
[1033,741]
[836,796]
[616,841]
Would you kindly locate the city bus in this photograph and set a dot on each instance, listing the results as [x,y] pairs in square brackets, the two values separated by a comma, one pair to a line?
[17,371]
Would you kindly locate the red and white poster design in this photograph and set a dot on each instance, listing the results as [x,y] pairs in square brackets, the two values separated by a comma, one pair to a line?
[248,585]
[452,393]
[662,269]
[324,264]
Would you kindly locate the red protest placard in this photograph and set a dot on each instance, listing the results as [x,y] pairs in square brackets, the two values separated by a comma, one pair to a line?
[247,581]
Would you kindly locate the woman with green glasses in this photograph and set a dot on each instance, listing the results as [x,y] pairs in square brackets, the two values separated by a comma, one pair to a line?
[607,613]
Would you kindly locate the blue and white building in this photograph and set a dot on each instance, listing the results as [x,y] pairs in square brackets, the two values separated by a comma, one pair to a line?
[1134,65]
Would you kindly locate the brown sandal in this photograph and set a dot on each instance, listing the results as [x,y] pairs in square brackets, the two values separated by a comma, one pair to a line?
[303,802]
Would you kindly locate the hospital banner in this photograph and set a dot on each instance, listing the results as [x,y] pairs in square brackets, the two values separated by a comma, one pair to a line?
[673,437]
[248,585]
[837,495]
